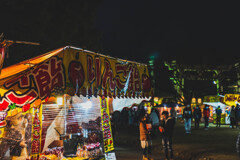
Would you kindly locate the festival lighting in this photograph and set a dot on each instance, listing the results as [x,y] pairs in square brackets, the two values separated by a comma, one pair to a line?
[87,104]
[60,100]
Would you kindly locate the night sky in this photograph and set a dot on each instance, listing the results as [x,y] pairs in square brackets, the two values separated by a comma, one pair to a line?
[190,31]
[203,32]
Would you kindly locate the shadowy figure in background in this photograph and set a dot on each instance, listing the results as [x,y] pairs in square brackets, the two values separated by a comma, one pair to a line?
[173,113]
[206,114]
[154,119]
[166,128]
[238,145]
[218,113]
[187,116]
[130,117]
[237,115]
[232,117]
[197,115]
[116,118]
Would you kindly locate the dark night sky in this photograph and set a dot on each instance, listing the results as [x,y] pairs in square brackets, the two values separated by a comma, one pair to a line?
[191,31]
[195,32]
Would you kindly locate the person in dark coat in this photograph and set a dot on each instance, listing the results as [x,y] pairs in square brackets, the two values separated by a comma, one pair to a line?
[238,145]
[197,115]
[237,114]
[232,117]
[166,128]
[206,114]
[218,113]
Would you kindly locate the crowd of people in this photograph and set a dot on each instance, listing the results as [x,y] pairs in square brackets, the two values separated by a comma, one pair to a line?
[149,124]
[164,123]
[196,114]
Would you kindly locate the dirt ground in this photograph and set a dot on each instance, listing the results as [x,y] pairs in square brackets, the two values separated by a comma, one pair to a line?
[212,144]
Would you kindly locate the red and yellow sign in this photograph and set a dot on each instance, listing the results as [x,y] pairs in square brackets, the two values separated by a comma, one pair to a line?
[231,99]
[106,125]
[74,71]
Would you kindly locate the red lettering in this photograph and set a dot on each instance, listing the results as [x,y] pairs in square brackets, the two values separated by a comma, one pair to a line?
[120,69]
[107,125]
[136,79]
[98,71]
[35,146]
[4,104]
[22,99]
[76,74]
[107,134]
[42,78]
[90,73]
[108,77]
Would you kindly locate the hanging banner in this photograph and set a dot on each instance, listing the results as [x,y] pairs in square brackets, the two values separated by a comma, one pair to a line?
[231,99]
[213,99]
[73,71]
[106,125]
[36,132]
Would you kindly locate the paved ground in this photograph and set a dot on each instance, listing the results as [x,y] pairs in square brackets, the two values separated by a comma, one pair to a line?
[213,144]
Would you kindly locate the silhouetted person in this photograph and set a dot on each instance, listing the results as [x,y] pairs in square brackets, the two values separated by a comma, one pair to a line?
[166,128]
[218,118]
[197,115]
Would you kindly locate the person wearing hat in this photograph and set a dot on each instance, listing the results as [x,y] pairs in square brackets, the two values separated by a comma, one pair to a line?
[166,128]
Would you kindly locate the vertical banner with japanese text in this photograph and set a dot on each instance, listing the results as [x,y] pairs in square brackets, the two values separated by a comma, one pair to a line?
[106,125]
[36,132]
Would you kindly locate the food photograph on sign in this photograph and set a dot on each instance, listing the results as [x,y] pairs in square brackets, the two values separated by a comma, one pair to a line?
[72,130]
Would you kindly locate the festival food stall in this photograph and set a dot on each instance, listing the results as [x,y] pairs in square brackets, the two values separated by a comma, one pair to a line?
[231,100]
[214,102]
[56,106]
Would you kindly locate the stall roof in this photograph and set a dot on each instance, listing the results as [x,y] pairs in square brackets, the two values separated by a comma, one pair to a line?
[23,66]
[27,64]
[73,71]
